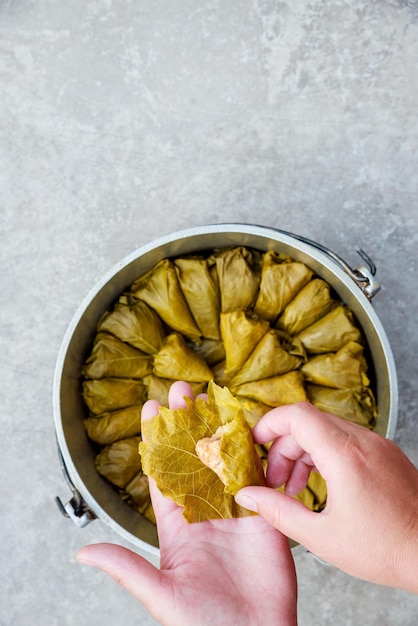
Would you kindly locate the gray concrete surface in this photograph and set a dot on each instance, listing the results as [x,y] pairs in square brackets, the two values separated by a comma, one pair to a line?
[121,121]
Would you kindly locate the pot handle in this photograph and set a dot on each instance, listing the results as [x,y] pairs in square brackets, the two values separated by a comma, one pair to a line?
[76,508]
[363,276]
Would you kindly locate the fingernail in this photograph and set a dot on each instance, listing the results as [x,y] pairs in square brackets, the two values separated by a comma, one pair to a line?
[246,502]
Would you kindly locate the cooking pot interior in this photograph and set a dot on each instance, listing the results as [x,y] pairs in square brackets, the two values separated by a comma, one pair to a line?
[69,408]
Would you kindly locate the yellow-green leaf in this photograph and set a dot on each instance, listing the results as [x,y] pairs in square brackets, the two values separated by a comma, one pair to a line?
[168,452]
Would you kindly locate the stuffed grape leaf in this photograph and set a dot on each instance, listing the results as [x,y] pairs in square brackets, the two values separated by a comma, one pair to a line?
[311,303]
[269,358]
[111,357]
[240,333]
[239,277]
[357,405]
[114,425]
[119,462]
[331,332]
[281,280]
[109,394]
[135,324]
[176,360]
[202,294]
[160,289]
[343,369]
[275,391]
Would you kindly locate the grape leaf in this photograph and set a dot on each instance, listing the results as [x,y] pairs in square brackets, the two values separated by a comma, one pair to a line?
[168,452]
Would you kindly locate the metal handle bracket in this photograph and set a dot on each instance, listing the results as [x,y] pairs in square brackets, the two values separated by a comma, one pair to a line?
[76,508]
[80,516]
[363,275]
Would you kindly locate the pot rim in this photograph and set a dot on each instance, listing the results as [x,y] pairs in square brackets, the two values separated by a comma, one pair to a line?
[316,256]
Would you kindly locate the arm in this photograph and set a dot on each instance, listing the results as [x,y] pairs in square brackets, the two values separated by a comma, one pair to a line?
[369,527]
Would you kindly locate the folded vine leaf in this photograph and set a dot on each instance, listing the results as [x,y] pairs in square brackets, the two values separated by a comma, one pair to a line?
[253,410]
[241,331]
[176,360]
[275,391]
[281,280]
[356,405]
[201,291]
[111,394]
[212,350]
[169,456]
[136,324]
[331,332]
[311,303]
[119,462]
[136,492]
[160,289]
[344,369]
[238,272]
[114,425]
[111,357]
[269,358]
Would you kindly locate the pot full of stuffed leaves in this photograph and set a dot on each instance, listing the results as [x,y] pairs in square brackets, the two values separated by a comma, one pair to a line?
[256,316]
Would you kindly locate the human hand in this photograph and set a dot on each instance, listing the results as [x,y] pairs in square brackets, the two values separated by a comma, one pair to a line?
[232,571]
[369,527]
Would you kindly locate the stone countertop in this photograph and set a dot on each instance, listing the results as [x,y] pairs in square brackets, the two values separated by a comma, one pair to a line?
[123,121]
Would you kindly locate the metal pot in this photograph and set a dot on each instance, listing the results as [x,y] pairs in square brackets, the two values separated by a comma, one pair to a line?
[92,497]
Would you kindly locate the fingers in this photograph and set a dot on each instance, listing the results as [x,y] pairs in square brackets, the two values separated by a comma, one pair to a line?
[285,456]
[131,571]
[298,478]
[176,394]
[286,514]
[149,409]
[164,507]
[178,391]
[302,420]
[309,435]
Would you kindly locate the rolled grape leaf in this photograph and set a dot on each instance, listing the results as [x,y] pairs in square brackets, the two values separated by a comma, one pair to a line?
[149,514]
[136,492]
[220,377]
[275,391]
[169,454]
[201,293]
[343,369]
[239,278]
[111,357]
[309,305]
[110,427]
[318,486]
[281,280]
[211,350]
[253,410]
[119,462]
[356,405]
[331,333]
[269,358]
[240,332]
[160,289]
[135,324]
[110,394]
[176,360]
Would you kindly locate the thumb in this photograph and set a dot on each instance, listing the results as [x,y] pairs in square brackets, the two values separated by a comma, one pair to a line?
[285,513]
[131,571]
